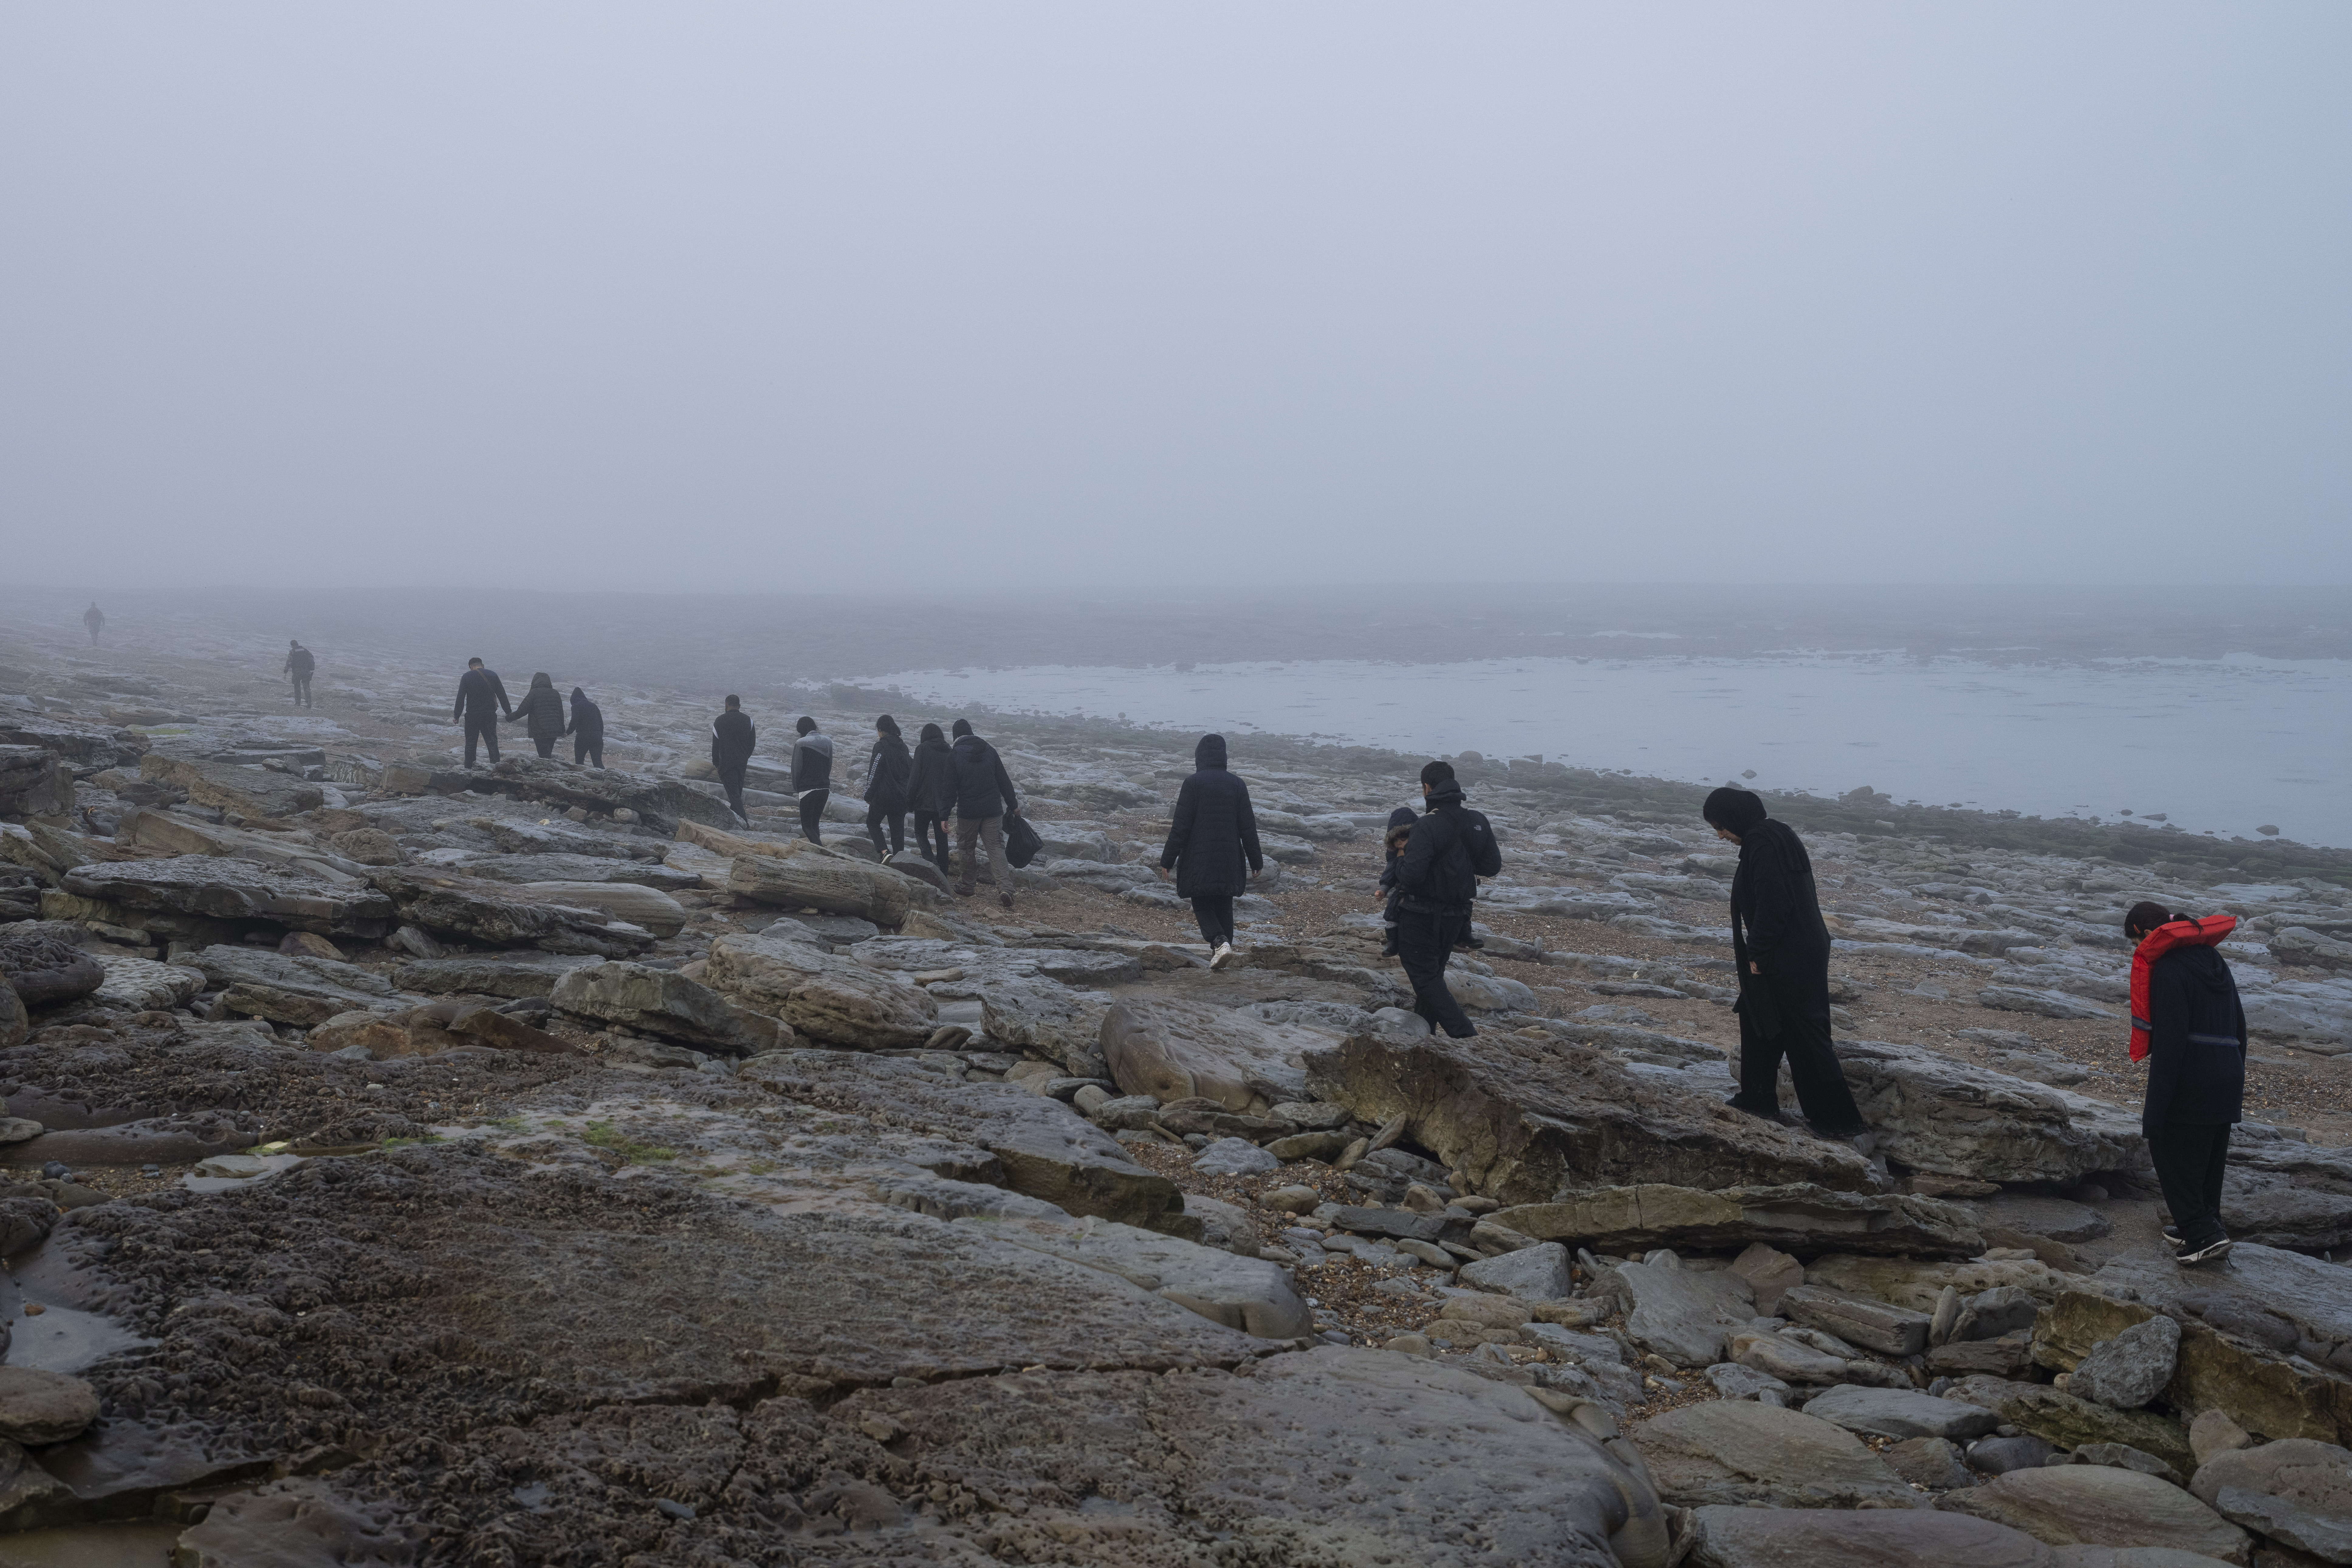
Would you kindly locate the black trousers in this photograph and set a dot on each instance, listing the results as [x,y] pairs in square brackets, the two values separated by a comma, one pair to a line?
[546,744]
[486,731]
[302,690]
[1424,944]
[930,824]
[1214,911]
[584,750]
[732,781]
[1804,1039]
[2189,1165]
[875,817]
[813,812]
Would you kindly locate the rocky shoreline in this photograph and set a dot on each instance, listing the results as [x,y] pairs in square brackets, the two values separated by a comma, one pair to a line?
[533,1166]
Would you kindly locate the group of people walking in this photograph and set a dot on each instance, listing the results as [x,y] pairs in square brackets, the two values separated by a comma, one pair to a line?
[482,702]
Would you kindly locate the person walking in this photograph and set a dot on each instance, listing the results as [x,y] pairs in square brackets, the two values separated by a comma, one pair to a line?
[586,729]
[1214,831]
[812,774]
[731,741]
[931,796]
[541,711]
[887,769]
[2190,1027]
[299,665]
[1780,947]
[1437,880]
[95,619]
[481,698]
[983,795]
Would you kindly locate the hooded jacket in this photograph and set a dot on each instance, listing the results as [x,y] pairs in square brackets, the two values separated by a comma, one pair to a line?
[931,779]
[1215,831]
[1780,944]
[982,786]
[299,661]
[587,719]
[886,773]
[1392,842]
[480,693]
[1450,847]
[2193,1026]
[812,761]
[731,741]
[541,709]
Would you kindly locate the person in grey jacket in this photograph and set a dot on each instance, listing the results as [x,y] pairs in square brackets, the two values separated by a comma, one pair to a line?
[541,711]
[812,774]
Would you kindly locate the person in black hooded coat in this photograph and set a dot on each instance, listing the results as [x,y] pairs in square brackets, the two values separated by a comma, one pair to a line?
[931,795]
[887,769]
[586,729]
[1781,947]
[1214,835]
[1437,880]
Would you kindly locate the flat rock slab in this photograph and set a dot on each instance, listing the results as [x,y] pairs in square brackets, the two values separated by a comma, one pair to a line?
[2313,1475]
[639,905]
[2060,1417]
[1245,1293]
[832,880]
[1683,1315]
[662,803]
[1529,1118]
[230,787]
[830,1001]
[566,867]
[207,887]
[1537,1273]
[142,985]
[2094,1505]
[1804,1219]
[1900,1413]
[2060,1219]
[1047,1151]
[663,1003]
[1879,1538]
[1873,1325]
[1734,1452]
[1180,1050]
[499,915]
[516,976]
[1930,1113]
[221,965]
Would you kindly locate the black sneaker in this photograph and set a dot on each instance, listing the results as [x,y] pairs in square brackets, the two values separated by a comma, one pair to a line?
[2173,1239]
[2210,1252]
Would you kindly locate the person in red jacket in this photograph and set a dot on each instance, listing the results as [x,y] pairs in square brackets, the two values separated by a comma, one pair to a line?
[2190,1028]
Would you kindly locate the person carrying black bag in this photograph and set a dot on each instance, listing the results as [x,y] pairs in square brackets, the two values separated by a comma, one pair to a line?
[1781,947]
[1437,875]
[887,768]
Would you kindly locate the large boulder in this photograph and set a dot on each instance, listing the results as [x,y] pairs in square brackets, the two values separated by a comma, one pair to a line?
[1683,1315]
[339,986]
[210,887]
[1529,1118]
[1803,1219]
[1930,1113]
[2303,948]
[2062,1418]
[233,787]
[34,782]
[829,1000]
[168,833]
[661,804]
[2102,1505]
[1734,1452]
[1878,1537]
[1919,1286]
[15,1021]
[142,985]
[1245,1293]
[2296,1492]
[650,908]
[662,1002]
[1899,1413]
[1181,1050]
[499,915]
[1041,1015]
[2132,1368]
[43,966]
[813,877]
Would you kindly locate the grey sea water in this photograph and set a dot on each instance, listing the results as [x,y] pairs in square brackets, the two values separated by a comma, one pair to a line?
[2225,745]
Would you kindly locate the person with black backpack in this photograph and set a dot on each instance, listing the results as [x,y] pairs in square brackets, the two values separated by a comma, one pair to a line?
[1437,878]
[887,767]
[299,665]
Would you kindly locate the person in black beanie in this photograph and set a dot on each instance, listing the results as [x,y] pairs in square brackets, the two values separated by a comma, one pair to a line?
[1437,878]
[1782,949]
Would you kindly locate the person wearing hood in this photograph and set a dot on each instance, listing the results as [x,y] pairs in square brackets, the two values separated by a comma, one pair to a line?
[586,729]
[2190,1027]
[886,767]
[1780,946]
[481,698]
[1437,878]
[1213,832]
[931,796]
[732,739]
[299,665]
[542,710]
[983,795]
[1398,834]
[812,774]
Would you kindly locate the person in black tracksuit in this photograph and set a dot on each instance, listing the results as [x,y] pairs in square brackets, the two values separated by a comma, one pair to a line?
[812,774]
[299,663]
[931,796]
[2196,1082]
[1437,875]
[731,741]
[1214,831]
[541,711]
[1780,946]
[586,729]
[886,767]
[481,698]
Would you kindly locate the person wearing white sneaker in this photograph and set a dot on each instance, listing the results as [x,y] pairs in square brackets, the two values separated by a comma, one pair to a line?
[2190,1027]
[1214,835]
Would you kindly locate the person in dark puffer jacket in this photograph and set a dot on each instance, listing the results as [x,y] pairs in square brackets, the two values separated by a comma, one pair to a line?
[886,767]
[732,740]
[931,796]
[1450,847]
[586,729]
[541,711]
[1214,831]
[983,795]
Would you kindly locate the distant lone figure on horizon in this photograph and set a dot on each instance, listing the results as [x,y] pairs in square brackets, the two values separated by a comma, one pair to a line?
[299,665]
[2190,1027]
[1213,832]
[541,711]
[1781,947]
[732,739]
[481,698]
[887,767]
[812,774]
[95,619]
[983,795]
[1437,880]
[587,731]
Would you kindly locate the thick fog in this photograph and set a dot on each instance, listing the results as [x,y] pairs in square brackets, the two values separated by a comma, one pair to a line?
[857,297]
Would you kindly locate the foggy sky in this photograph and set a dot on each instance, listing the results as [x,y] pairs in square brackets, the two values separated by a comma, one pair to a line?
[783,297]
